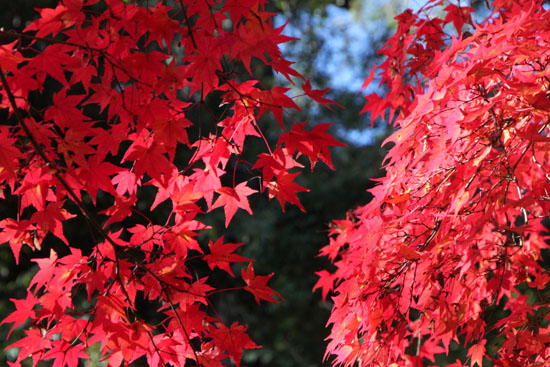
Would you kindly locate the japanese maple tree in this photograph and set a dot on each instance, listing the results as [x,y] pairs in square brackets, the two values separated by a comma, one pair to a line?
[106,101]
[452,242]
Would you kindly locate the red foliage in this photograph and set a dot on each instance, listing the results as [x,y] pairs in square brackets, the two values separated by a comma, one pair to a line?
[125,89]
[452,236]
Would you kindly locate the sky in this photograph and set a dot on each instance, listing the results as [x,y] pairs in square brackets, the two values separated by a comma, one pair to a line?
[348,38]
[348,35]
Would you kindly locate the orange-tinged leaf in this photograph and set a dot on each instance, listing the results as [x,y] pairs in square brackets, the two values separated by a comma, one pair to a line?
[398,198]
[408,253]
[476,352]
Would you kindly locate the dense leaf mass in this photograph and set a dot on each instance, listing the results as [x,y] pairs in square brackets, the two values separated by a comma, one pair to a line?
[453,234]
[107,100]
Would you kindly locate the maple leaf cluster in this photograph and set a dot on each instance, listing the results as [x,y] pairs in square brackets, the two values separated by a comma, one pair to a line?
[122,91]
[453,235]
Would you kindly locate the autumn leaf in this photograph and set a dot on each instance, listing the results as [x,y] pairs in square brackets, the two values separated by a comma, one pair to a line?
[232,199]
[9,157]
[65,354]
[369,79]
[317,95]
[33,342]
[376,106]
[205,63]
[52,21]
[273,164]
[314,144]
[24,310]
[45,272]
[148,157]
[35,189]
[161,25]
[120,210]
[458,15]
[409,253]
[284,189]
[51,220]
[17,234]
[222,255]
[325,282]
[233,340]
[257,285]
[476,353]
[9,57]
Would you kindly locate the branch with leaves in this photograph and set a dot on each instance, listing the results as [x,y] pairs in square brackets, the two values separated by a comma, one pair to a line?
[105,100]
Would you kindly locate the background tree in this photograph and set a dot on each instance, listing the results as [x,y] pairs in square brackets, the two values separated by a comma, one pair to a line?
[450,251]
[287,244]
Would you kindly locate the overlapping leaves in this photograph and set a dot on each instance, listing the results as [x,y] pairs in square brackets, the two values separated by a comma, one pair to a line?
[454,229]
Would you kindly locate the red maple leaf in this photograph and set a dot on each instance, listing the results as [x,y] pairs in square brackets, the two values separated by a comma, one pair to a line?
[45,272]
[24,310]
[65,354]
[149,158]
[65,111]
[284,189]
[325,282]
[317,95]
[376,106]
[52,21]
[126,182]
[369,79]
[272,164]
[232,340]
[51,220]
[120,210]
[274,100]
[476,352]
[458,16]
[35,189]
[205,63]
[222,255]
[10,58]
[161,25]
[314,144]
[170,132]
[32,343]
[9,157]
[96,175]
[181,238]
[232,199]
[257,285]
[17,233]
